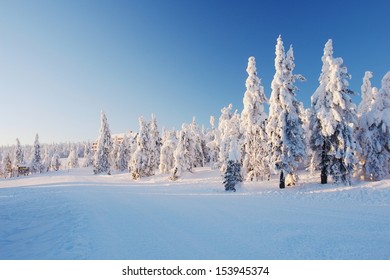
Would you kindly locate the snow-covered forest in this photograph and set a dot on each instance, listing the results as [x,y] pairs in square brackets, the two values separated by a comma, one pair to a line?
[273,136]
[263,183]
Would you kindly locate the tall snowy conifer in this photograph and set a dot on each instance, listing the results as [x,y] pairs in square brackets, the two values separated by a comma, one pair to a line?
[229,128]
[47,158]
[155,145]
[196,149]
[114,152]
[19,154]
[212,144]
[253,121]
[226,115]
[36,162]
[55,162]
[140,163]
[132,144]
[189,152]
[123,154]
[366,92]
[235,136]
[205,149]
[333,122]
[7,166]
[73,158]
[284,127]
[104,147]
[295,120]
[185,158]
[182,156]
[364,135]
[168,147]
[374,133]
[88,155]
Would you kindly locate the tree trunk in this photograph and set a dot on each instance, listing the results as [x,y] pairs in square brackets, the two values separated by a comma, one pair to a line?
[281,182]
[324,175]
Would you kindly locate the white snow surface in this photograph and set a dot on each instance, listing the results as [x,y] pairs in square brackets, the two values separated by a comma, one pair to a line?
[76,215]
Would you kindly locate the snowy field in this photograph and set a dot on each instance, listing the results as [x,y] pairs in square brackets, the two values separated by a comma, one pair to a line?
[76,215]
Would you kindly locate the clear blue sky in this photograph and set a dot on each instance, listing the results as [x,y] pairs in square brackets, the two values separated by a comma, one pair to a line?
[61,62]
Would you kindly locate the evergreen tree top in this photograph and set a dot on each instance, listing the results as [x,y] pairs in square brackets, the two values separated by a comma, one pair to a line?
[36,142]
[366,93]
[328,52]
[279,64]
[253,111]
[386,82]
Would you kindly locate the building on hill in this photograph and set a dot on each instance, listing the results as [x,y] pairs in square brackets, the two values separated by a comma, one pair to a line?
[118,136]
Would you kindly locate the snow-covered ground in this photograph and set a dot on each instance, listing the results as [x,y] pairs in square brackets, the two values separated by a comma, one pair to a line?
[77,215]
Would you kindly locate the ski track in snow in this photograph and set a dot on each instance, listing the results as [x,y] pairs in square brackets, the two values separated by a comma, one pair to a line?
[75,215]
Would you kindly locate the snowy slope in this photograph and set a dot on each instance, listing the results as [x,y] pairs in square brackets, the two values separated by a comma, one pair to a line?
[76,215]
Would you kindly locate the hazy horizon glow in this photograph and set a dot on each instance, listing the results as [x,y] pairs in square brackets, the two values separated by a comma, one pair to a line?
[62,62]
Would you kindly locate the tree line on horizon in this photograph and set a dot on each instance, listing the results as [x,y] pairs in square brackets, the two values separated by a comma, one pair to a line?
[333,136]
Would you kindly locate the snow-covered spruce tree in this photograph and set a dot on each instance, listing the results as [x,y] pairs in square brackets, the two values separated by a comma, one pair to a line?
[180,157]
[233,135]
[55,162]
[104,146]
[88,155]
[285,126]
[168,147]
[319,140]
[73,158]
[204,141]
[253,122]
[295,120]
[196,149]
[183,155]
[346,152]
[212,143]
[226,115]
[364,136]
[47,158]
[306,113]
[164,137]
[155,145]
[333,122]
[228,127]
[36,161]
[123,154]
[232,176]
[132,141]
[7,166]
[374,133]
[114,153]
[140,160]
[19,154]
[366,93]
